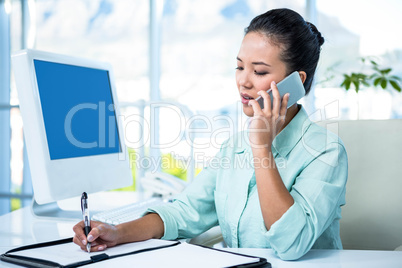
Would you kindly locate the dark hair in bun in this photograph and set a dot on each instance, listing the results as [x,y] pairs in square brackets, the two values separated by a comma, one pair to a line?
[316,32]
[300,40]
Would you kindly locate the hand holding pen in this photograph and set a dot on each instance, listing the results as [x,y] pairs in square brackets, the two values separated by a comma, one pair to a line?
[97,238]
[102,235]
[85,215]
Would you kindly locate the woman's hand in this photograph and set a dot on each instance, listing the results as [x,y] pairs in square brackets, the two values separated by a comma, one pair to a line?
[268,122]
[101,236]
[104,236]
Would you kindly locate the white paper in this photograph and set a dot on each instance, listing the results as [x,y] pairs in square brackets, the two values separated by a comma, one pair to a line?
[70,253]
[180,256]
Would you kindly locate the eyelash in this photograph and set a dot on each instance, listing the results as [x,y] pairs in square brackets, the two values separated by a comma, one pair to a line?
[255,72]
[261,74]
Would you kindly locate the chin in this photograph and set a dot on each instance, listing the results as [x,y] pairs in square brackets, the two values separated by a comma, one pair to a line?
[248,110]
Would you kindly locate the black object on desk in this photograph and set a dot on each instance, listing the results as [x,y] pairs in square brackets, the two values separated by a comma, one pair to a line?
[43,255]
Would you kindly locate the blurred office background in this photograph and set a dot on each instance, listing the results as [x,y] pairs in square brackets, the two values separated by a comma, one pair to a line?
[184,52]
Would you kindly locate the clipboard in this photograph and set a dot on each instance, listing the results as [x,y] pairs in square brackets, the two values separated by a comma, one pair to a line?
[65,254]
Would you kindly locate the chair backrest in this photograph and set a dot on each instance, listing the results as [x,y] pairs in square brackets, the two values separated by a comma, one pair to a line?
[372,216]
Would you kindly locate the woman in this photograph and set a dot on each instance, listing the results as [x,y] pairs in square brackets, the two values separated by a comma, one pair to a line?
[286,180]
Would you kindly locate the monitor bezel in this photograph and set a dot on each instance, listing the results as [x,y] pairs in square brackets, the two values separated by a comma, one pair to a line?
[55,180]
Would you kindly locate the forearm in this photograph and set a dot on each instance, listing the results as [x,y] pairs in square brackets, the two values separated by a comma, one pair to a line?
[147,227]
[274,198]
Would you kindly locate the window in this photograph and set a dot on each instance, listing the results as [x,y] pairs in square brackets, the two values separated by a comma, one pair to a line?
[110,31]
[363,29]
[198,46]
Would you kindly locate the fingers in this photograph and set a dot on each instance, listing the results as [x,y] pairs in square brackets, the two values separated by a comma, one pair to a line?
[274,108]
[98,231]
[284,106]
[256,107]
[79,242]
[267,101]
[95,233]
[94,245]
[277,98]
[79,238]
[279,105]
[98,247]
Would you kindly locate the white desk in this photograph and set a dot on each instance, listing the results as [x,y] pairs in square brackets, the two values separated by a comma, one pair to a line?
[21,228]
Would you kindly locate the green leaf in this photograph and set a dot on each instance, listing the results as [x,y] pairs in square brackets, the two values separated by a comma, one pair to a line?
[346,84]
[377,81]
[395,85]
[394,77]
[361,76]
[375,76]
[356,83]
[384,83]
[385,71]
[346,81]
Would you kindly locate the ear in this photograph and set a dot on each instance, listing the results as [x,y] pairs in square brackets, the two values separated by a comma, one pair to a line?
[303,76]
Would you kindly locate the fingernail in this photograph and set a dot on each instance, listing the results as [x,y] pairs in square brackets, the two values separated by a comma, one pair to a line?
[259,93]
[84,242]
[90,238]
[273,82]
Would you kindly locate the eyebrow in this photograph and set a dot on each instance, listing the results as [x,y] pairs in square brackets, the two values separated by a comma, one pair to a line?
[255,62]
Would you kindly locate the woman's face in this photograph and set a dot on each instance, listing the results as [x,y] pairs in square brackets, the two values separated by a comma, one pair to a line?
[258,64]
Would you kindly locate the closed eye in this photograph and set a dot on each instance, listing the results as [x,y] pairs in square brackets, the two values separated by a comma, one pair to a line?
[257,73]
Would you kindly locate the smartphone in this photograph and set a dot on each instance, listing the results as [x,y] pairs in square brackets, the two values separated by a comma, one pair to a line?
[292,84]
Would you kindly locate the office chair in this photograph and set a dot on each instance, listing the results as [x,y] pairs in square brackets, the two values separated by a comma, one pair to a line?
[372,216]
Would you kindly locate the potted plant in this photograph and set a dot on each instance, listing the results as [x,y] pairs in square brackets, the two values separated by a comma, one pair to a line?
[378,77]
[373,104]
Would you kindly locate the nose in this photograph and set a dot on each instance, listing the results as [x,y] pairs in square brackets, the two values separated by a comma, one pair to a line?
[243,80]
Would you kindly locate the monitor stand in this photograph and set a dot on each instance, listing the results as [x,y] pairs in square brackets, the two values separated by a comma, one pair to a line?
[53,211]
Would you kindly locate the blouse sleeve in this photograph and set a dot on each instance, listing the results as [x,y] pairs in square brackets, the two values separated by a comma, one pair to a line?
[318,193]
[193,211]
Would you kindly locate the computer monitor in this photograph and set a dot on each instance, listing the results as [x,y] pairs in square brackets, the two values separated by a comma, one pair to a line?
[70,113]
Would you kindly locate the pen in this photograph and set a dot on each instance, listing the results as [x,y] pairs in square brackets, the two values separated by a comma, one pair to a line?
[85,215]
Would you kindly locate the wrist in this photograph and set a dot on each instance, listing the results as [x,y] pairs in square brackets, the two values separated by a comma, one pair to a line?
[263,158]
[261,151]
[120,233]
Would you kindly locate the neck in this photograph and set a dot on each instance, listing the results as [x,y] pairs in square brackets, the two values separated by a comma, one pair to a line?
[292,111]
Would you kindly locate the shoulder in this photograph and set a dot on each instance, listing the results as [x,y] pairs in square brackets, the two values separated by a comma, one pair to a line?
[324,150]
[320,139]
[309,140]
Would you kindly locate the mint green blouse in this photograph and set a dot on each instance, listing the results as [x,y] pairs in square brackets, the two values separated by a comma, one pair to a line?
[313,165]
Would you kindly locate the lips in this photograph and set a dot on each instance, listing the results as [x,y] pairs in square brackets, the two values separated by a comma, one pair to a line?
[245,98]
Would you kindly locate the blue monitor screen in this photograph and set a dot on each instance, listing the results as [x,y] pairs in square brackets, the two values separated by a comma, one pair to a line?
[78,110]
